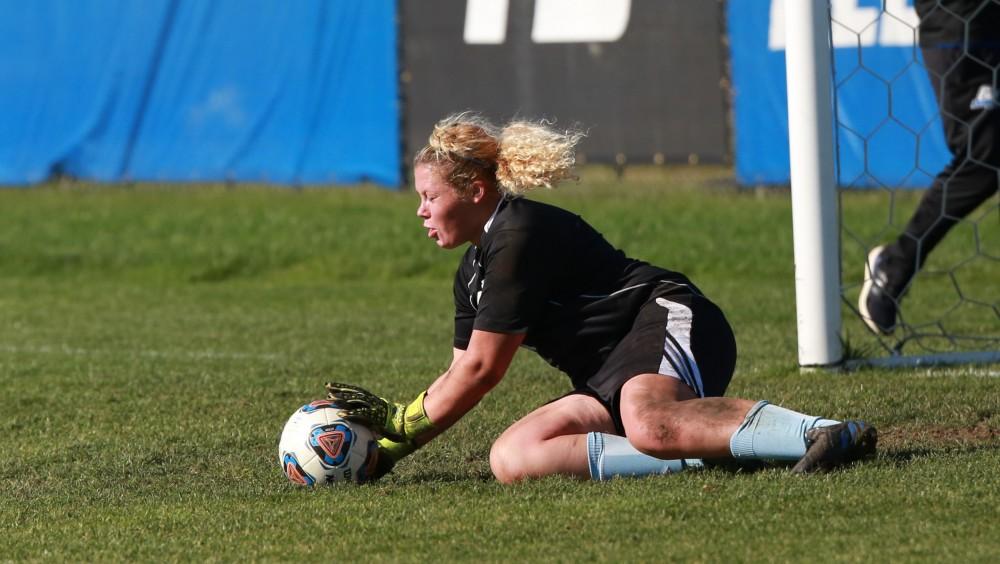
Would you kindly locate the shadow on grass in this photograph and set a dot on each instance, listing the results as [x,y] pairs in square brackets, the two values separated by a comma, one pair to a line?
[443,477]
[733,466]
[727,466]
[896,457]
[906,456]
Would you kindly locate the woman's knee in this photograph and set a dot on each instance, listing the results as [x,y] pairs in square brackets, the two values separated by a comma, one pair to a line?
[647,410]
[508,457]
[653,429]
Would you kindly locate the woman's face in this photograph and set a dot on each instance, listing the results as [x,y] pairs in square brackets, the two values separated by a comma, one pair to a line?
[450,220]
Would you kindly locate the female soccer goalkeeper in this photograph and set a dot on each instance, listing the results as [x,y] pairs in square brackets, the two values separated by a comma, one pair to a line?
[649,356]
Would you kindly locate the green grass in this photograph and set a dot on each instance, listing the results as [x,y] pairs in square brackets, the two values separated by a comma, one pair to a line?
[154,339]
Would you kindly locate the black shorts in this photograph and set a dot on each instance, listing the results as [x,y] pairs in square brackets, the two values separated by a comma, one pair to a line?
[678,334]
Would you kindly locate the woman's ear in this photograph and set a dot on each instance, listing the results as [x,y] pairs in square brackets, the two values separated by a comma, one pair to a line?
[479,190]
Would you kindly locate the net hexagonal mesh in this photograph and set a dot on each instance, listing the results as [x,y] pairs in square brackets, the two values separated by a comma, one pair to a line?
[927,78]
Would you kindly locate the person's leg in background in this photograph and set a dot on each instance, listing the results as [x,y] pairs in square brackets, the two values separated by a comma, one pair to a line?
[965,84]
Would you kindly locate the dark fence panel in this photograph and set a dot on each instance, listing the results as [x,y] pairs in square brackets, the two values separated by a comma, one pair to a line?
[643,77]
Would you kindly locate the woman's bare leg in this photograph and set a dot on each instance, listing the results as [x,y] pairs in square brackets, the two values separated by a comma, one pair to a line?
[664,418]
[550,440]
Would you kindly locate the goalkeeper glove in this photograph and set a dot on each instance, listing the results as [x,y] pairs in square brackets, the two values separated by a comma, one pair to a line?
[389,453]
[394,421]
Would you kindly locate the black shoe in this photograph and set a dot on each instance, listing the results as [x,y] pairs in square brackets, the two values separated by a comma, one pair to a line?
[877,304]
[837,445]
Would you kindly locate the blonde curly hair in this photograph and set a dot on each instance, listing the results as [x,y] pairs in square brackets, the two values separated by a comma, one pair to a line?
[518,157]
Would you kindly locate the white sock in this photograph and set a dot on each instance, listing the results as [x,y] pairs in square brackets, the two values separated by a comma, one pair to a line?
[612,455]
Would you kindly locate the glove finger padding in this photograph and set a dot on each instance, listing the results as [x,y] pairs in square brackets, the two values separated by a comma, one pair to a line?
[357,404]
[338,391]
[358,415]
[370,416]
[395,421]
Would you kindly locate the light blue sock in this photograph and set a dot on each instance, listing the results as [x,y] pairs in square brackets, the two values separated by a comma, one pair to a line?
[611,455]
[770,432]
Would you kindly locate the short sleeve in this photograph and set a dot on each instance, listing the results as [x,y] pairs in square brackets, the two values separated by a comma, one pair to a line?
[465,313]
[516,283]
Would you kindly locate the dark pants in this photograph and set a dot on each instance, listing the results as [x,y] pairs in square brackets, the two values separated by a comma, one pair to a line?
[973,137]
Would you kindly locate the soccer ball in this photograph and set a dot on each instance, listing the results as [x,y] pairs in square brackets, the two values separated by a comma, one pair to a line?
[317,447]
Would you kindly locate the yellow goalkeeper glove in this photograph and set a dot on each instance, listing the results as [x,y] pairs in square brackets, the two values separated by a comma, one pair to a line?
[394,421]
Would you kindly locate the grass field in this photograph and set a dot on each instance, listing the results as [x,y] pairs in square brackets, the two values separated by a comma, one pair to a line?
[154,340]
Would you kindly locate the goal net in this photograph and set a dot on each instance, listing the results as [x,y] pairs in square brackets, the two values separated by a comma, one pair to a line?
[888,144]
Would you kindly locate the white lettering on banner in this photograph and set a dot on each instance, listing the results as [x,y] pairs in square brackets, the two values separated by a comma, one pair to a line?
[555,21]
[854,25]
[580,21]
[486,21]
[899,24]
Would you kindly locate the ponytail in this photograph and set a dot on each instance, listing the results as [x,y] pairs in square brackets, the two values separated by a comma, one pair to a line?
[518,158]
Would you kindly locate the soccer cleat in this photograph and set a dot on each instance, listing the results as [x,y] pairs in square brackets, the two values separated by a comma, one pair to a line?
[878,307]
[836,445]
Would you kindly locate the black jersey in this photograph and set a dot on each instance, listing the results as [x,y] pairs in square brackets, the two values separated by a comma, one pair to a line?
[543,271]
[943,23]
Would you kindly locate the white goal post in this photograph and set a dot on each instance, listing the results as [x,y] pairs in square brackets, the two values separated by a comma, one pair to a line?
[813,179]
[815,202]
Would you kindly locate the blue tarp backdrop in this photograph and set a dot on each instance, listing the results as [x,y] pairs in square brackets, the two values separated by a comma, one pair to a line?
[183,90]
[888,129]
